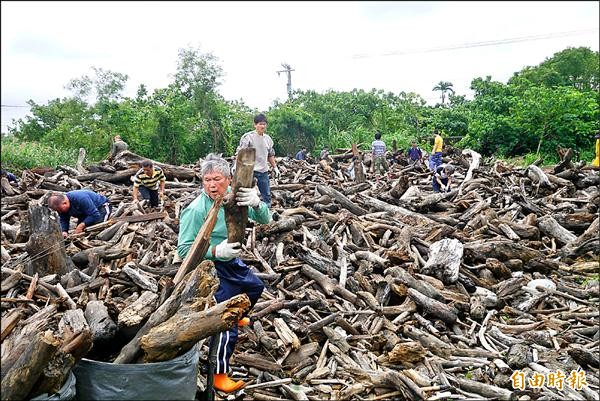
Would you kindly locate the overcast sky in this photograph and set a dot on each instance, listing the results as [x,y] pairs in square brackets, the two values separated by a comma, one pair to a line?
[394,46]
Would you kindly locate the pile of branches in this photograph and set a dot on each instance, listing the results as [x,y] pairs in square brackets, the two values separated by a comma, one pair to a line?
[376,287]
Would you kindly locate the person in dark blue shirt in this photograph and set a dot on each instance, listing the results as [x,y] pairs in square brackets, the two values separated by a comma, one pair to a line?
[301,155]
[9,176]
[87,206]
[414,153]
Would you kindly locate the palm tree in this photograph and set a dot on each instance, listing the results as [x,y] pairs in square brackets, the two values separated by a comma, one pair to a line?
[444,86]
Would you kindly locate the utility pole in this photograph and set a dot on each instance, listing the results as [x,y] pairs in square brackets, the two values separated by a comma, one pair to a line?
[289,70]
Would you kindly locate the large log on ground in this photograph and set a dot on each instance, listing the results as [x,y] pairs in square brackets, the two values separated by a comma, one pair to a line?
[341,199]
[46,246]
[236,217]
[500,249]
[444,260]
[550,227]
[102,326]
[189,326]
[127,158]
[122,176]
[21,378]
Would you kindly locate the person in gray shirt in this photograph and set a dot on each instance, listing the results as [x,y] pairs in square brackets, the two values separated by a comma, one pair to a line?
[265,155]
[117,147]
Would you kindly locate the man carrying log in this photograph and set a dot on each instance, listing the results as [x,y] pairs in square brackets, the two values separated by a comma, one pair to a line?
[234,276]
[264,153]
[87,206]
[146,181]
[442,178]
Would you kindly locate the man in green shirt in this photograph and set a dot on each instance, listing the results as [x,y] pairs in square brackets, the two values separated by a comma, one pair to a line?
[234,276]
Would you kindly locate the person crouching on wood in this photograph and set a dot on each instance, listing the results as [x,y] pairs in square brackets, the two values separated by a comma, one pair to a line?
[146,182]
[234,276]
[442,178]
[87,206]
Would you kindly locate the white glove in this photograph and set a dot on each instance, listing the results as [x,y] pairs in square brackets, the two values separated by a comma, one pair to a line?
[276,172]
[247,197]
[227,251]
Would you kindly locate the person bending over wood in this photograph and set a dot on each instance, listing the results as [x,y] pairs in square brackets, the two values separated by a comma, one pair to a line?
[146,182]
[442,178]
[87,206]
[234,276]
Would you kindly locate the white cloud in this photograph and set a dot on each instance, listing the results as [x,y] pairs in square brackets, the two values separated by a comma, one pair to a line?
[45,44]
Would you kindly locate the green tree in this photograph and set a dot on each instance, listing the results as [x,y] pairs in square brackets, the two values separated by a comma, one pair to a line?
[444,87]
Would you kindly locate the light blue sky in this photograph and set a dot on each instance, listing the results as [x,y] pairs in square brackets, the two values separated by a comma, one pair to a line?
[331,45]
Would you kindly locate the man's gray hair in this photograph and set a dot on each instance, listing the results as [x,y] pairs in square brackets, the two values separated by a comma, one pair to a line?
[215,163]
[55,200]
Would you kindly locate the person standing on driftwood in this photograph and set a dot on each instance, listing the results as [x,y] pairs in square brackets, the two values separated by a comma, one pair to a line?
[117,147]
[596,162]
[234,276]
[435,159]
[87,206]
[147,181]
[264,153]
[442,178]
[378,150]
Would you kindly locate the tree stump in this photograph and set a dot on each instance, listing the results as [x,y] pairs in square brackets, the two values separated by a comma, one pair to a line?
[45,246]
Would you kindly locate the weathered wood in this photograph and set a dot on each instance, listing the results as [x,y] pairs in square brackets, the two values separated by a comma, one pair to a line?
[46,245]
[102,326]
[433,307]
[236,217]
[341,199]
[127,158]
[190,325]
[22,376]
[444,260]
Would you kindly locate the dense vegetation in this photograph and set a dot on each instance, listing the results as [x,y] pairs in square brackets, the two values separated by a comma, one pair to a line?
[539,108]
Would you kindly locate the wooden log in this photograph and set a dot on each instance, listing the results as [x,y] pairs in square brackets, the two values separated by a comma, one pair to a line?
[102,326]
[201,242]
[500,249]
[23,375]
[408,280]
[7,188]
[189,325]
[127,158]
[341,199]
[122,176]
[9,321]
[329,285]
[550,227]
[486,390]
[236,217]
[444,260]
[133,315]
[46,246]
[435,308]
[142,280]
[256,361]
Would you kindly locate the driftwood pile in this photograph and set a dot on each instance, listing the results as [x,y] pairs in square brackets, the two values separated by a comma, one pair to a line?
[375,288]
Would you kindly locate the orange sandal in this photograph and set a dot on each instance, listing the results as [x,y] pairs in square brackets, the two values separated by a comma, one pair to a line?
[223,383]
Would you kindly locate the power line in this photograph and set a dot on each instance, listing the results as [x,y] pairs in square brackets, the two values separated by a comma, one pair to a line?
[479,44]
[9,105]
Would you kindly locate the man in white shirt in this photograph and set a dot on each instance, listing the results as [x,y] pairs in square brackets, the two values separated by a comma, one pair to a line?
[265,155]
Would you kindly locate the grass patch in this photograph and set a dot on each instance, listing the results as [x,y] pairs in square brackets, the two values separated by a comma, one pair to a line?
[20,155]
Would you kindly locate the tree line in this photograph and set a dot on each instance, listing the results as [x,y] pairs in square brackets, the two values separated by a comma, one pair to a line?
[555,103]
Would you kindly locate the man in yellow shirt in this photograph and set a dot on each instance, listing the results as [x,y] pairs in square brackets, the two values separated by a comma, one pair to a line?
[596,162]
[436,153]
